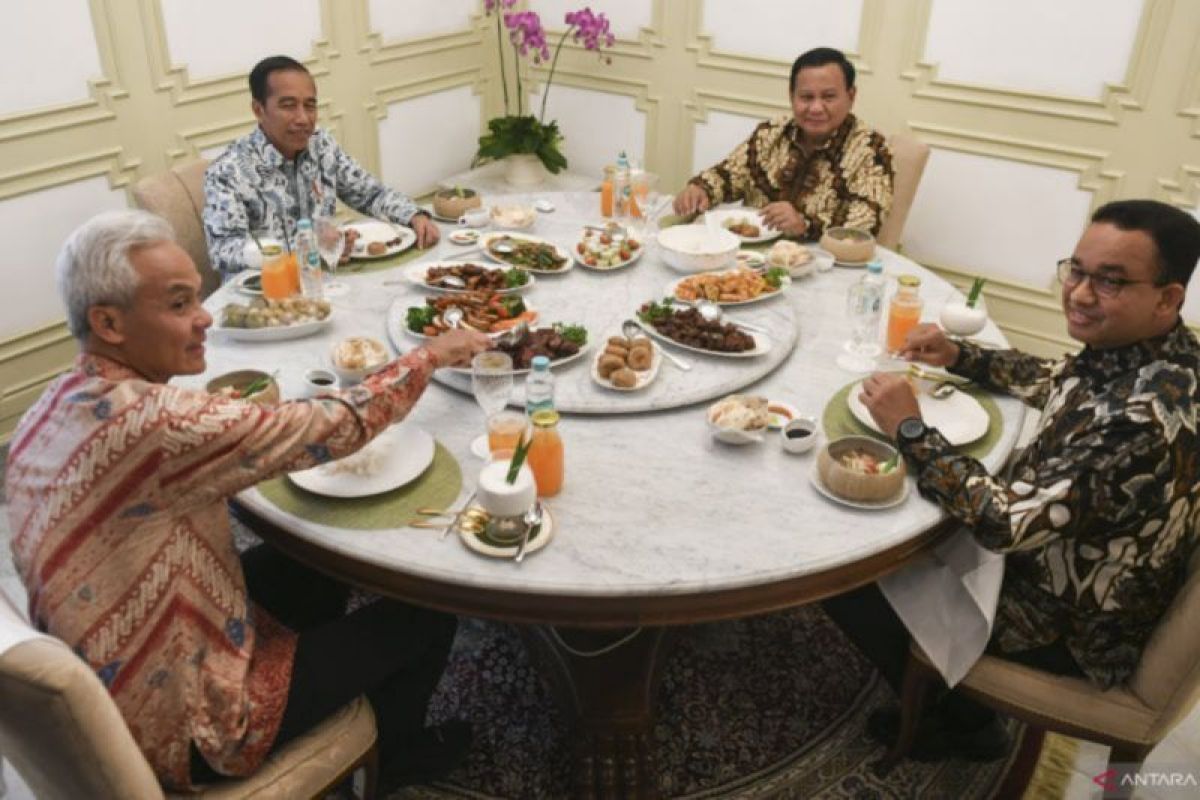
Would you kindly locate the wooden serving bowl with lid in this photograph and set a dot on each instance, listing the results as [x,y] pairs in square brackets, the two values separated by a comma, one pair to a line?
[233,383]
[851,484]
[451,203]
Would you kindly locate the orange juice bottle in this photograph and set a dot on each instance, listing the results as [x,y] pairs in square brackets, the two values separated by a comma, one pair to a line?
[546,454]
[904,312]
[280,277]
[606,192]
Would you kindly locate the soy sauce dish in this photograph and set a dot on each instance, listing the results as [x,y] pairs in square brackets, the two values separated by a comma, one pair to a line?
[799,435]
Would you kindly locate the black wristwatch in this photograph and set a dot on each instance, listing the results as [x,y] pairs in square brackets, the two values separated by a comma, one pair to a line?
[910,430]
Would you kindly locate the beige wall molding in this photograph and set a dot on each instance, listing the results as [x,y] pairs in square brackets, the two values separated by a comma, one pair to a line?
[56,172]
[184,90]
[192,141]
[27,363]
[378,51]
[639,90]
[1184,189]
[1189,97]
[1115,99]
[1103,182]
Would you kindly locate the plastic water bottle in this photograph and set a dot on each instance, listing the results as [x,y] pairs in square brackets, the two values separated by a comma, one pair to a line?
[622,188]
[864,307]
[539,387]
[308,258]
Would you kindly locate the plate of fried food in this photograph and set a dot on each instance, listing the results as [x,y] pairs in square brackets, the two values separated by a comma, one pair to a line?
[685,327]
[627,365]
[377,239]
[484,311]
[446,276]
[527,252]
[745,223]
[607,248]
[731,287]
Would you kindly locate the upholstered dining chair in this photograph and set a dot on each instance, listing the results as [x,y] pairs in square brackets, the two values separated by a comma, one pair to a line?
[178,196]
[1131,719]
[64,734]
[909,156]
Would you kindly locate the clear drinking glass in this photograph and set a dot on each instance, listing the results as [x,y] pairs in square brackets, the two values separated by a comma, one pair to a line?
[331,240]
[492,384]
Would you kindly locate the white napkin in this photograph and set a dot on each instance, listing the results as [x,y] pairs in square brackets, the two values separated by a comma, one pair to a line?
[13,627]
[947,599]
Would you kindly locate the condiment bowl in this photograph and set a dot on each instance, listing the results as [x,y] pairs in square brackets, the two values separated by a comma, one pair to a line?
[799,435]
[850,484]
[694,248]
[849,245]
[235,382]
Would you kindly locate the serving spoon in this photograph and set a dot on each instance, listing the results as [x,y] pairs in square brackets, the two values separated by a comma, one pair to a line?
[712,312]
[631,329]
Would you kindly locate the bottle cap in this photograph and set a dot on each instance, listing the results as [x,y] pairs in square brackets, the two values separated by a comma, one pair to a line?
[875,267]
[545,418]
[540,362]
[909,280]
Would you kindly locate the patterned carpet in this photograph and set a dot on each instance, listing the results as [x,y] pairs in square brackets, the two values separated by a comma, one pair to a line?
[773,706]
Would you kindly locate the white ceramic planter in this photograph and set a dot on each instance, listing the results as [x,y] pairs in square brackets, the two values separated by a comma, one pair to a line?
[524,169]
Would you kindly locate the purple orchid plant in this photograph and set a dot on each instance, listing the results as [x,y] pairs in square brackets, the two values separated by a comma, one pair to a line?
[524,133]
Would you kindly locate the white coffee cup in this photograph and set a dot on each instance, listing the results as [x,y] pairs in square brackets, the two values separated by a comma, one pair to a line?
[475,218]
[319,381]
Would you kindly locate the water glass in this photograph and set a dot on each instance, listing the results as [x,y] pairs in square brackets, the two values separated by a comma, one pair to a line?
[331,240]
[492,384]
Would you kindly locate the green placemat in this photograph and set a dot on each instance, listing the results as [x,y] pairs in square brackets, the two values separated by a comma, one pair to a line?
[380,264]
[437,487]
[839,421]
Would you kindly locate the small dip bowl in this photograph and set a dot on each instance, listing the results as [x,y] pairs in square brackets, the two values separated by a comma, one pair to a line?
[799,435]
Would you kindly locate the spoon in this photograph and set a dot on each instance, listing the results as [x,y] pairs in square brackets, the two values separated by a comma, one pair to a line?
[631,329]
[453,317]
[532,517]
[714,313]
[511,336]
[503,248]
[451,282]
[543,205]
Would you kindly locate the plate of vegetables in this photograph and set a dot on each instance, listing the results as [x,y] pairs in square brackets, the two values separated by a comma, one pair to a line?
[607,248]
[527,252]
[488,312]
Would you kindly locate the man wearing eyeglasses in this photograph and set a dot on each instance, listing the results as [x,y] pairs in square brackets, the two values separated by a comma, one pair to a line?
[1101,512]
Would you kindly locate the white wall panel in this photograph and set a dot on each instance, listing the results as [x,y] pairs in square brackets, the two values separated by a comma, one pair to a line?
[716,138]
[204,37]
[35,226]
[47,54]
[415,19]
[771,29]
[426,138]
[1007,219]
[627,17]
[596,127]
[1191,305]
[1068,47]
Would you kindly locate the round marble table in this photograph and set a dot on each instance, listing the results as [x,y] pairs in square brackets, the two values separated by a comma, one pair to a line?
[657,524]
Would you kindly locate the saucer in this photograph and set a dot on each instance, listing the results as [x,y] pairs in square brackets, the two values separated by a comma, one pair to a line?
[464,236]
[537,539]
[900,496]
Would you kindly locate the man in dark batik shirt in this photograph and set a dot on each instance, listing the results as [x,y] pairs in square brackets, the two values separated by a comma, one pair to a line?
[1102,510]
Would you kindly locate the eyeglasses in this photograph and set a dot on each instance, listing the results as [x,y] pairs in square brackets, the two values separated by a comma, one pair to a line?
[1070,275]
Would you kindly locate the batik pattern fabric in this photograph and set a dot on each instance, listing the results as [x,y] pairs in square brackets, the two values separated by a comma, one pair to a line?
[252,188]
[117,493]
[846,182]
[1100,513]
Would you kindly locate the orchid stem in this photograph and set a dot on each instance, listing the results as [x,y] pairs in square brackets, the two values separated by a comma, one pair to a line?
[550,77]
[500,53]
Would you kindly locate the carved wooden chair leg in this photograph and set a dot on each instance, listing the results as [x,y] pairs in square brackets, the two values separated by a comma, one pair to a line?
[1124,764]
[918,680]
[370,767]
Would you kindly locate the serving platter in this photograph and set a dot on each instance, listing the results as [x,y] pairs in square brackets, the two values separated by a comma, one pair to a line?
[487,239]
[277,333]
[643,378]
[762,344]
[415,274]
[673,286]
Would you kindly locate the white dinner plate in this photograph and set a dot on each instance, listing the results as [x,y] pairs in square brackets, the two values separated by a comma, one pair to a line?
[249,282]
[589,235]
[959,417]
[404,450]
[815,477]
[723,215]
[673,285]
[415,274]
[277,333]
[463,236]
[535,543]
[762,344]
[373,230]
[644,378]
[486,239]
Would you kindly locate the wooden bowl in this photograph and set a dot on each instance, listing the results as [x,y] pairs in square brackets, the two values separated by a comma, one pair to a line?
[849,245]
[852,485]
[242,378]
[451,203]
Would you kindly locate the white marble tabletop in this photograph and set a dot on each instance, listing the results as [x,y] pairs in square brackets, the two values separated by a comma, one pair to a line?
[651,505]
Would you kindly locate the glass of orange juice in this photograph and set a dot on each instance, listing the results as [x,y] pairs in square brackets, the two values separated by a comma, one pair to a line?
[280,277]
[904,312]
[504,430]
[545,456]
